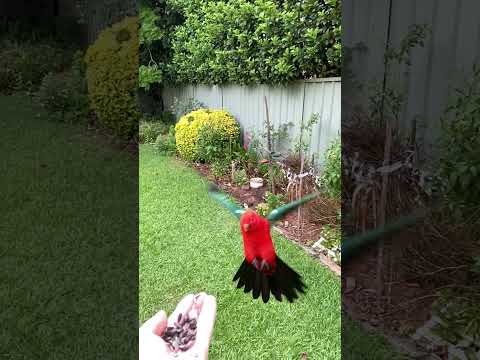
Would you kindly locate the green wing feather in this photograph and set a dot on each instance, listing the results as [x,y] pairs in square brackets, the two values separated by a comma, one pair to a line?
[234,209]
[280,212]
[357,242]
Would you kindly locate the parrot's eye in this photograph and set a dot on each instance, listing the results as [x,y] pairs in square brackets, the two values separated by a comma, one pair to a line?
[246,226]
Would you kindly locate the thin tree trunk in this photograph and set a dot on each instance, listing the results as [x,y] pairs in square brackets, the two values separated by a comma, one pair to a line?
[302,164]
[269,148]
[382,211]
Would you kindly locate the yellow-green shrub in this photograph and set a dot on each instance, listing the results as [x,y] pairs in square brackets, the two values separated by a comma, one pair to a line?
[112,76]
[188,128]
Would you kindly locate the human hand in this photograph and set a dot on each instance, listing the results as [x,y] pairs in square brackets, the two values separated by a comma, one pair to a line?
[201,307]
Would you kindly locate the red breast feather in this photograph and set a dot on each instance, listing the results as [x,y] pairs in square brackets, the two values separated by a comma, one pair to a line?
[257,242]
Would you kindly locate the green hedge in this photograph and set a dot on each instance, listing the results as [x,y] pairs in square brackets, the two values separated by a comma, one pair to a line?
[261,41]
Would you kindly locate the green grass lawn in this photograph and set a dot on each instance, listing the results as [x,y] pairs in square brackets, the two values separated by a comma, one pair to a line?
[189,243]
[68,254]
[360,344]
[68,240]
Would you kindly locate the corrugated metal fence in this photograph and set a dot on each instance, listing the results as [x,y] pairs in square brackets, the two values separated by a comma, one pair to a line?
[441,65]
[294,103]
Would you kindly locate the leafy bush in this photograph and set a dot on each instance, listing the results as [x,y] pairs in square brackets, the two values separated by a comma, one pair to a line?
[262,41]
[263,169]
[220,167]
[240,177]
[53,94]
[459,313]
[279,178]
[188,130]
[246,159]
[148,75]
[165,117]
[332,241]
[273,201]
[262,209]
[23,66]
[157,22]
[165,144]
[9,81]
[182,107]
[148,132]
[112,74]
[459,165]
[64,95]
[214,144]
[330,180]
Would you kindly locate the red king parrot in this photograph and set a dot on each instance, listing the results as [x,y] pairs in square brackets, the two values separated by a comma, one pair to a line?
[262,270]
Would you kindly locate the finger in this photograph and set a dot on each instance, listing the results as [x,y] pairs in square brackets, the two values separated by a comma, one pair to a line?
[198,303]
[205,323]
[156,324]
[183,307]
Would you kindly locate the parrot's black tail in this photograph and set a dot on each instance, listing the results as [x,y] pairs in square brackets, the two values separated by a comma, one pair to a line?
[283,281]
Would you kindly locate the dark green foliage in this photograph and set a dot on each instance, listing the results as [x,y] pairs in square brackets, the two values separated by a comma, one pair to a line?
[276,176]
[264,41]
[165,144]
[331,180]
[273,201]
[211,144]
[244,159]
[220,167]
[158,20]
[148,132]
[64,95]
[240,177]
[28,63]
[459,166]
[263,169]
[465,319]
[10,81]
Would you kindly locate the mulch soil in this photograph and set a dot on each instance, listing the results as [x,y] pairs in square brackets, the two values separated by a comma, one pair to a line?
[307,233]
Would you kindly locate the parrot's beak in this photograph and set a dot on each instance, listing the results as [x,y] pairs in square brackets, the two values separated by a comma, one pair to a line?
[246,227]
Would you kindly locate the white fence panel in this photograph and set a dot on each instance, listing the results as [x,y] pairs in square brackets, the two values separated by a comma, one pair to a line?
[211,95]
[443,64]
[245,104]
[323,98]
[293,103]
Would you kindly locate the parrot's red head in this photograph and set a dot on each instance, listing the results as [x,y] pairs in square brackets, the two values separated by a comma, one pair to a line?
[252,223]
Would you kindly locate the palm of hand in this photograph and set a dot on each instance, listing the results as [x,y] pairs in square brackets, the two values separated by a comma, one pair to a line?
[153,346]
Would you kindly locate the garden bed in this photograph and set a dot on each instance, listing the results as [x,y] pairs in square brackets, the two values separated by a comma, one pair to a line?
[407,314]
[305,233]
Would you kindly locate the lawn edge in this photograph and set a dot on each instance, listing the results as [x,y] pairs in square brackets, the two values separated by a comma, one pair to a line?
[403,345]
[318,256]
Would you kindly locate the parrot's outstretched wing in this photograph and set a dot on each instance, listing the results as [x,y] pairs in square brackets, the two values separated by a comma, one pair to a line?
[280,212]
[355,243]
[235,209]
